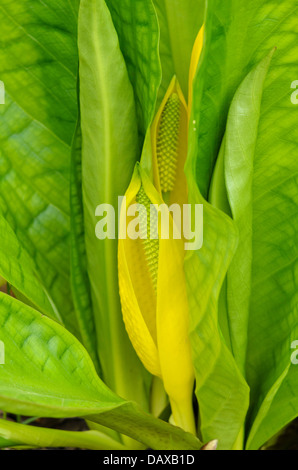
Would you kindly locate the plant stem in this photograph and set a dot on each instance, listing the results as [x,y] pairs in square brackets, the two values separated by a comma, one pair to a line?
[158,398]
[183,415]
[239,443]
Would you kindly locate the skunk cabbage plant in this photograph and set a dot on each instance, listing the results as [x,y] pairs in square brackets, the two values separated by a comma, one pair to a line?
[117,114]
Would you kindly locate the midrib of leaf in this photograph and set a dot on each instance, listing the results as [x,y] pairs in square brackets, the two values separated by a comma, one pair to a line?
[107,111]
[113,305]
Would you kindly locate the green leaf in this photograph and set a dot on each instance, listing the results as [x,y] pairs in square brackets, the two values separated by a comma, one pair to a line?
[40,226]
[138,32]
[44,365]
[109,152]
[179,22]
[81,289]
[14,434]
[38,59]
[240,142]
[274,298]
[47,372]
[38,67]
[19,270]
[237,37]
[5,443]
[221,390]
[278,408]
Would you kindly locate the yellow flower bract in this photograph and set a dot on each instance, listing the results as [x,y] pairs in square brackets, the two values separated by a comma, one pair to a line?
[151,272]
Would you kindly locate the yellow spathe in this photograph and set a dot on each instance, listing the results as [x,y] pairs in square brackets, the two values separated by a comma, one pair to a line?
[151,272]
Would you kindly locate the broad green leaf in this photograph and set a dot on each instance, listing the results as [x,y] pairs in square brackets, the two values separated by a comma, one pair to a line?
[47,372]
[218,198]
[40,223]
[277,409]
[5,443]
[179,22]
[38,61]
[81,289]
[240,142]
[237,37]
[234,173]
[220,388]
[153,433]
[44,365]
[19,270]
[274,297]
[138,32]
[109,152]
[14,434]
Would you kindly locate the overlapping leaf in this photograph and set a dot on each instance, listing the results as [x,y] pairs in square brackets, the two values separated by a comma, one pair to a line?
[19,270]
[179,22]
[16,435]
[220,388]
[274,300]
[39,60]
[237,35]
[138,32]
[47,372]
[38,67]
[239,148]
[81,290]
[109,152]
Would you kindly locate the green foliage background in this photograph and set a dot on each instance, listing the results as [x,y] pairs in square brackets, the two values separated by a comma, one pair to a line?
[69,141]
